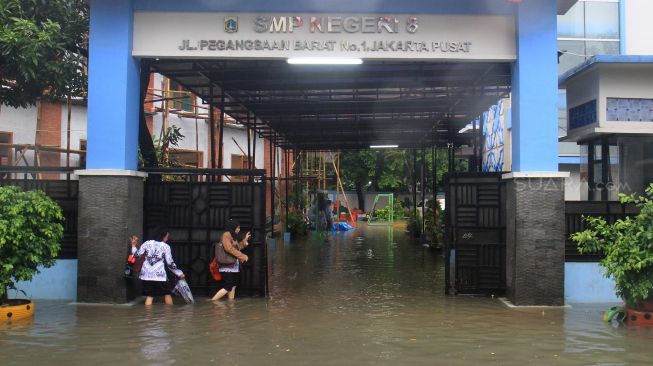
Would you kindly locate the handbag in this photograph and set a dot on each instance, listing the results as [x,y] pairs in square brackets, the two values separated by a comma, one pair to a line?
[223,258]
[215,271]
[134,263]
[213,267]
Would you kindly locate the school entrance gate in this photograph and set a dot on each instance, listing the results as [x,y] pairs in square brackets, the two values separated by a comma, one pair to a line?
[429,68]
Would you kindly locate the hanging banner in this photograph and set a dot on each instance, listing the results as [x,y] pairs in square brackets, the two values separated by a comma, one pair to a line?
[371,36]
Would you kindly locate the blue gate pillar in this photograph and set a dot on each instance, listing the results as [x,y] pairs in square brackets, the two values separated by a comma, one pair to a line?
[111,188]
[113,87]
[535,189]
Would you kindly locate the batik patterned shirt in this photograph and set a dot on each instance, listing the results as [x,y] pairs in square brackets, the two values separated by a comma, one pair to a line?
[157,256]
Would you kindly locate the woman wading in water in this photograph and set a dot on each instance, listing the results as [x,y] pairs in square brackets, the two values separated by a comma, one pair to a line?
[231,273]
[153,273]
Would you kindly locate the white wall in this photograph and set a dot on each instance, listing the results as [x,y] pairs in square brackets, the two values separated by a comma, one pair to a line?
[22,123]
[580,90]
[573,184]
[239,134]
[188,128]
[638,27]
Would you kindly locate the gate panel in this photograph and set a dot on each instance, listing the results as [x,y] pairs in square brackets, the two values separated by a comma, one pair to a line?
[475,233]
[196,211]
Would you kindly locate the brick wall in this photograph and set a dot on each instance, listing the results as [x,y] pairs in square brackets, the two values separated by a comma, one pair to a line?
[48,133]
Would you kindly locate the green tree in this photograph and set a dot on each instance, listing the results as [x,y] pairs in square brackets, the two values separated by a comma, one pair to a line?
[30,234]
[356,171]
[43,50]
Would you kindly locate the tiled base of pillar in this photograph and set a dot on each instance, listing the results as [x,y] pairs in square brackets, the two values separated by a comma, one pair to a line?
[535,243]
[110,211]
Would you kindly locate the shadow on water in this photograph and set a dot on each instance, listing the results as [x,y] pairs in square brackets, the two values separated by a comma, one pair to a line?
[368,296]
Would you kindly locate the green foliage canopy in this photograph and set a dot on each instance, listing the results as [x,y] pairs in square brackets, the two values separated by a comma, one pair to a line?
[43,50]
[628,248]
[30,234]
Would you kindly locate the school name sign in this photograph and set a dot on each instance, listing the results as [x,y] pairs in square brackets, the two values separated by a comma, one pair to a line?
[373,36]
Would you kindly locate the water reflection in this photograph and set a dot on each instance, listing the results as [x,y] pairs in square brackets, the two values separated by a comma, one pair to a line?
[368,296]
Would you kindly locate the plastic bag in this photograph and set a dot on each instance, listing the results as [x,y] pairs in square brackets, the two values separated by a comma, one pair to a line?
[182,289]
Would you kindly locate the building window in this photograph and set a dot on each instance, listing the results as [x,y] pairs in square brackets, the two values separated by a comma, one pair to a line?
[183,99]
[239,162]
[630,109]
[590,27]
[582,115]
[187,158]
[6,139]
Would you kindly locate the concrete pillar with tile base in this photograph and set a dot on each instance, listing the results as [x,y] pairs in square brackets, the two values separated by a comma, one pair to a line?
[535,243]
[110,211]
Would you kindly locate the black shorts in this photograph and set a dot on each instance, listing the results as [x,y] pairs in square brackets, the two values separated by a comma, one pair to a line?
[156,288]
[229,280]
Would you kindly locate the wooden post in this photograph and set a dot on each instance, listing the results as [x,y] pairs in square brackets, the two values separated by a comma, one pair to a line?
[68,104]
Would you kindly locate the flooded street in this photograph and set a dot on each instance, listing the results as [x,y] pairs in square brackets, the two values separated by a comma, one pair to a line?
[359,298]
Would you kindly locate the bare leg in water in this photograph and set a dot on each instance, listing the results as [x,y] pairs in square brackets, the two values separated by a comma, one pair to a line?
[218,295]
[167,299]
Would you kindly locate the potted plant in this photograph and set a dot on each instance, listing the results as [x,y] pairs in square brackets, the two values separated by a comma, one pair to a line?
[627,246]
[30,233]
[297,226]
[414,224]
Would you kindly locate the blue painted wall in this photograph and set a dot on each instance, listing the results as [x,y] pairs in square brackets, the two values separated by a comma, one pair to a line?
[113,88]
[360,6]
[58,282]
[535,88]
[585,283]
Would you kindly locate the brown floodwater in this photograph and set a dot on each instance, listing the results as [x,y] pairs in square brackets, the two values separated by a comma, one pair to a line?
[366,297]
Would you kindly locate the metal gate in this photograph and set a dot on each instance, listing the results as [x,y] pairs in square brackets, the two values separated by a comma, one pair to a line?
[475,233]
[195,207]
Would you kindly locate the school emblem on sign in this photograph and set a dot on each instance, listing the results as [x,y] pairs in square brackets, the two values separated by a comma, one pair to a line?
[231,24]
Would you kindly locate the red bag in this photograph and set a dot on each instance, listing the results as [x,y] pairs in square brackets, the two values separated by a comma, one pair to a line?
[215,272]
[135,264]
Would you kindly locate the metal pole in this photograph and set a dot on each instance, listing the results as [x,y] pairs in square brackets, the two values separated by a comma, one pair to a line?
[220,140]
[482,142]
[300,185]
[414,183]
[434,173]
[285,153]
[423,186]
[212,124]
[254,145]
[271,186]
[475,142]
[249,144]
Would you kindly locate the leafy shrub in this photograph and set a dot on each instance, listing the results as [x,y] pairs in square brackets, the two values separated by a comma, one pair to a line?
[433,222]
[384,213]
[297,226]
[30,233]
[628,248]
